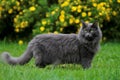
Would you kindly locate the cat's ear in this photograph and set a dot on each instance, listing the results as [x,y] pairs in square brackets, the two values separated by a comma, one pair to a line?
[84,25]
[95,24]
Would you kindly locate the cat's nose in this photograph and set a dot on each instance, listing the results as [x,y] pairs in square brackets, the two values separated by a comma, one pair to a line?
[88,35]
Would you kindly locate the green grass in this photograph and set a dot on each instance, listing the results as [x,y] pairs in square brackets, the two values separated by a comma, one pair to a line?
[105,66]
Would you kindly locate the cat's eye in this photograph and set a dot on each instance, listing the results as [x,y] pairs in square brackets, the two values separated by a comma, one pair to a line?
[85,31]
[91,31]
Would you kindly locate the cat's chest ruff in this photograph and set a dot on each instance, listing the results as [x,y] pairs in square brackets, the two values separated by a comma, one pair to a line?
[89,47]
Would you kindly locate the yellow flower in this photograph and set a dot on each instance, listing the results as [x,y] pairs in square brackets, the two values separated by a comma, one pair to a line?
[94,4]
[89,13]
[66,3]
[17,16]
[93,0]
[110,1]
[108,18]
[86,21]
[15,19]
[100,13]
[62,18]
[56,9]
[73,8]
[79,7]
[21,0]
[14,7]
[62,12]
[1,8]
[24,24]
[44,22]
[17,3]
[85,7]
[84,14]
[24,10]
[114,13]
[17,30]
[71,20]
[80,24]
[55,32]
[103,8]
[77,21]
[118,1]
[10,11]
[18,8]
[53,12]
[20,42]
[21,13]
[42,28]
[108,10]
[61,29]
[75,2]
[47,14]
[99,6]
[32,8]
[64,24]
[78,10]
[102,4]
[48,21]
[60,1]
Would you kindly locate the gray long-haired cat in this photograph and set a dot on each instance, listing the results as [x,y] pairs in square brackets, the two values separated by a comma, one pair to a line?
[61,48]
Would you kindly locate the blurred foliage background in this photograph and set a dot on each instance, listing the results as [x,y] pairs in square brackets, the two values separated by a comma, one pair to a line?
[23,19]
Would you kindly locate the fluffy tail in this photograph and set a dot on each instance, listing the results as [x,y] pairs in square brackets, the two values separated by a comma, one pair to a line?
[24,58]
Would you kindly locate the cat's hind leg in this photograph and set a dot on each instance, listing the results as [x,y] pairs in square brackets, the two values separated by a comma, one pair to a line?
[38,61]
[38,55]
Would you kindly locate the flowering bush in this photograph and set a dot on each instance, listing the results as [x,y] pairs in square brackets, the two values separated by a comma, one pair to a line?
[111,28]
[20,15]
[63,16]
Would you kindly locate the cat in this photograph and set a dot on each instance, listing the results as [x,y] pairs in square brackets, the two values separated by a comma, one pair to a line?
[61,48]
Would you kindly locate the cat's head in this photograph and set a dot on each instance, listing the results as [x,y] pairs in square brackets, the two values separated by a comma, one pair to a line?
[90,32]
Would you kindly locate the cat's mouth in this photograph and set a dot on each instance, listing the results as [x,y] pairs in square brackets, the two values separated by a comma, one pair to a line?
[89,38]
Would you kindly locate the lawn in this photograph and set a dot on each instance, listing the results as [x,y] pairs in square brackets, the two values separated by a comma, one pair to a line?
[105,66]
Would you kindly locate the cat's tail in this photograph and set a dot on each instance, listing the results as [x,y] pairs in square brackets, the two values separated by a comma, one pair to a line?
[24,58]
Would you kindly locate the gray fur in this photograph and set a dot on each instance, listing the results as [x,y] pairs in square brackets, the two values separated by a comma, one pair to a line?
[61,48]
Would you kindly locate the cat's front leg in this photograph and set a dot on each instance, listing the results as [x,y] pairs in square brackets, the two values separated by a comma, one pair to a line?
[86,62]
[86,57]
